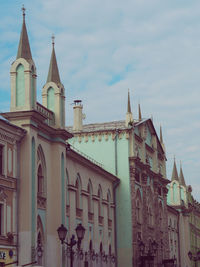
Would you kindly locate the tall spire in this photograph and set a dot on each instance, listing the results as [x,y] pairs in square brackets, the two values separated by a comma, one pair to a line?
[129,104]
[139,113]
[53,75]
[129,115]
[174,172]
[181,177]
[24,50]
[161,138]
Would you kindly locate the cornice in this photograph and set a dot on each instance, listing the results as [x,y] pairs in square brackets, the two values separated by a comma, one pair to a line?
[37,120]
[98,134]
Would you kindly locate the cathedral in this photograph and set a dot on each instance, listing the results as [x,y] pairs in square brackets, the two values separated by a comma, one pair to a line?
[86,195]
[49,188]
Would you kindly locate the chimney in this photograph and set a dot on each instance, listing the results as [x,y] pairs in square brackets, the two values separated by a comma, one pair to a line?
[78,116]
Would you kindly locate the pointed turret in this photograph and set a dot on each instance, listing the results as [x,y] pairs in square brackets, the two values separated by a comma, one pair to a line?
[139,113]
[161,138]
[174,172]
[53,92]
[53,75]
[129,104]
[129,115]
[24,50]
[181,176]
[23,75]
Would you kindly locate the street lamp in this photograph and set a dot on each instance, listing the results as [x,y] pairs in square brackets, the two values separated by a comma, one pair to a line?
[194,257]
[62,232]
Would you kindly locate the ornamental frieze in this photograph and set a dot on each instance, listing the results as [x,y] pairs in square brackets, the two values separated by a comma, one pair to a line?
[7,137]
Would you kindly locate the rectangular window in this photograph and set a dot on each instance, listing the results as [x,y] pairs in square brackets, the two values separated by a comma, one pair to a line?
[1,159]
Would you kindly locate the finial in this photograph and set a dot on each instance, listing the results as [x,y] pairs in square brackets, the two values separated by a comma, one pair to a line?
[129,104]
[139,113]
[23,11]
[53,39]
[161,138]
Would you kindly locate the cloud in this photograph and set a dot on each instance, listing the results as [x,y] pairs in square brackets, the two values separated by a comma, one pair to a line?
[105,47]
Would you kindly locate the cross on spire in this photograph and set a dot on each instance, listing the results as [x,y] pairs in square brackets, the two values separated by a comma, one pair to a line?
[53,39]
[23,11]
[24,50]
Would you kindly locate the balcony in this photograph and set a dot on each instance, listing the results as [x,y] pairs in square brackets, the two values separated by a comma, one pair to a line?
[50,116]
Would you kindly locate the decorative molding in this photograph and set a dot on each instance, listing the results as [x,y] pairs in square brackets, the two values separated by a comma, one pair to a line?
[5,136]
[41,202]
[101,220]
[90,216]
[109,223]
[86,138]
[100,137]
[3,195]
[79,213]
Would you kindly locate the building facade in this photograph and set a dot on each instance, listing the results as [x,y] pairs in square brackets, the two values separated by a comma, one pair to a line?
[58,185]
[194,230]
[10,138]
[180,198]
[131,150]
[173,230]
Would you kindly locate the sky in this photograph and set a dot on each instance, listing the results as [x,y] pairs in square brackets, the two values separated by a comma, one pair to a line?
[105,47]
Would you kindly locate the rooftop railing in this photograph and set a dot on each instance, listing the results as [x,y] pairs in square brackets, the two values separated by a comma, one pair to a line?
[50,116]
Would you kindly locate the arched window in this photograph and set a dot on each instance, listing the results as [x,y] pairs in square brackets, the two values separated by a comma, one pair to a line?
[90,246]
[138,207]
[90,204]
[151,216]
[40,242]
[67,189]
[40,181]
[78,192]
[109,205]
[20,86]
[50,99]
[175,192]
[160,216]
[41,172]
[100,208]
[110,249]
[101,248]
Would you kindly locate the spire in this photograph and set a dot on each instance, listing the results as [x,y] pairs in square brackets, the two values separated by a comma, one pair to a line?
[161,138]
[53,75]
[24,50]
[174,172]
[181,177]
[129,115]
[129,104]
[139,113]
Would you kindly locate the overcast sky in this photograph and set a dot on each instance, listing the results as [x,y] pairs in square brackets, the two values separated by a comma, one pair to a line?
[105,47]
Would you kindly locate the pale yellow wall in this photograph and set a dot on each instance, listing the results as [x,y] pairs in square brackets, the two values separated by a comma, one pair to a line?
[96,179]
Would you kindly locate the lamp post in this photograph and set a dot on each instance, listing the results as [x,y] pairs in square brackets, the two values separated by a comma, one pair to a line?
[62,232]
[194,257]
